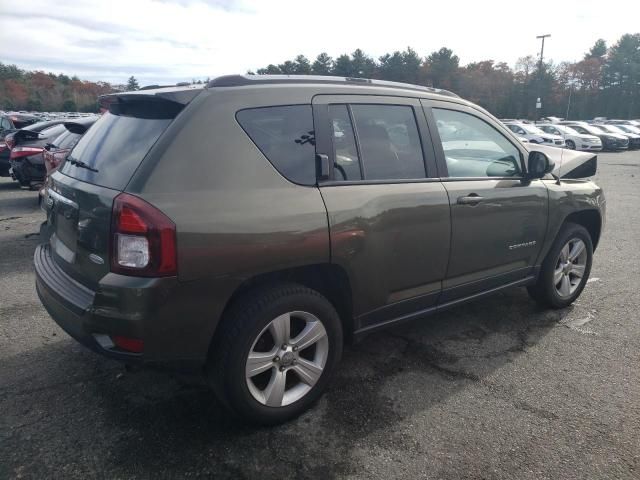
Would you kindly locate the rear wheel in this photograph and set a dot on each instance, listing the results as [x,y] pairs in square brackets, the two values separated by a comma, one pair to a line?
[275,352]
[571,145]
[566,268]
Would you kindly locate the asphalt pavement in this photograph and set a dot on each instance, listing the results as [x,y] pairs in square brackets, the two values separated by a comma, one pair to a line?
[495,389]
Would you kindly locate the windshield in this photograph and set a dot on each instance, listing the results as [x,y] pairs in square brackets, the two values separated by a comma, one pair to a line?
[595,130]
[629,129]
[566,130]
[531,129]
[115,145]
[610,128]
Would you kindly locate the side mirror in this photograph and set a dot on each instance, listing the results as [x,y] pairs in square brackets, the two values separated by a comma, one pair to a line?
[538,165]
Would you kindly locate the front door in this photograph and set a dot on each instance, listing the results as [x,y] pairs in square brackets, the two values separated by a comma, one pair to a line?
[498,218]
[389,222]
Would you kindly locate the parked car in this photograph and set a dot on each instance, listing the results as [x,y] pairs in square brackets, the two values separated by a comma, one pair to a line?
[534,134]
[294,234]
[629,129]
[7,142]
[610,141]
[633,123]
[634,138]
[26,159]
[15,121]
[57,150]
[573,139]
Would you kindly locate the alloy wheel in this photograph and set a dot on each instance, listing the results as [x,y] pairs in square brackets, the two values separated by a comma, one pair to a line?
[570,267]
[287,359]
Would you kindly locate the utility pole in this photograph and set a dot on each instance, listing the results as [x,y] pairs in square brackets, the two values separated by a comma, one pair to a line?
[539,99]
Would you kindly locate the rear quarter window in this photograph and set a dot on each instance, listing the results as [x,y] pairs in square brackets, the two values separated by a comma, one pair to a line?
[285,135]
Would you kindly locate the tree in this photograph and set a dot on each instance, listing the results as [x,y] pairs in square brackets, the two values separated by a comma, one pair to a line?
[598,50]
[392,67]
[323,65]
[362,65]
[343,67]
[441,68]
[132,83]
[287,68]
[69,106]
[301,66]
[270,70]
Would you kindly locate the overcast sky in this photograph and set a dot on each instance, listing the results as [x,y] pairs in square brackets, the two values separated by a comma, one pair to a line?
[165,41]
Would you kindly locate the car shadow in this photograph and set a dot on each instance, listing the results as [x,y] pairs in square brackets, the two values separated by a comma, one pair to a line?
[153,423]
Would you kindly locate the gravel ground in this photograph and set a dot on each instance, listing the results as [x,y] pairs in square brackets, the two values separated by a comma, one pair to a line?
[495,389]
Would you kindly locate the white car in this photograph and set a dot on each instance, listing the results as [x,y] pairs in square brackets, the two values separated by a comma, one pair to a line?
[573,139]
[534,134]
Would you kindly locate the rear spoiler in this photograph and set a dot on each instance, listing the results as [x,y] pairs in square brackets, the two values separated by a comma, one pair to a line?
[180,94]
[79,127]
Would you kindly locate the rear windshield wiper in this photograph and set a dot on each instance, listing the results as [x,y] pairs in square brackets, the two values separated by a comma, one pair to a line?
[81,164]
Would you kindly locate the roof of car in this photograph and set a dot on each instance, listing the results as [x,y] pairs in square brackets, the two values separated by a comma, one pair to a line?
[184,93]
[251,80]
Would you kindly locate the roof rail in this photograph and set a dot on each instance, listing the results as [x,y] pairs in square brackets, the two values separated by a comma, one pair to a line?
[243,80]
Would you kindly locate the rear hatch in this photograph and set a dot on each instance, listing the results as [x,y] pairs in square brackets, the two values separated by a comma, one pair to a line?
[81,192]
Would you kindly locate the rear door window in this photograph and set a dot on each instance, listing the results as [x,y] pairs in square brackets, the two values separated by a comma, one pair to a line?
[117,143]
[285,135]
[389,142]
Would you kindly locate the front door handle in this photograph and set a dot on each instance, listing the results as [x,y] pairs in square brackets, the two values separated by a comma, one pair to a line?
[472,199]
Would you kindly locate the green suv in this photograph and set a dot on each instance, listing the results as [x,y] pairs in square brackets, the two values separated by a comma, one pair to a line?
[252,226]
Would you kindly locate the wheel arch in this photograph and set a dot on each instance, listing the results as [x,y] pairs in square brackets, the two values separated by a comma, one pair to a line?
[589,219]
[329,279]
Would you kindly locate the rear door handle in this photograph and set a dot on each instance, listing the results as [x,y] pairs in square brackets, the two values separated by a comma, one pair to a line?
[472,199]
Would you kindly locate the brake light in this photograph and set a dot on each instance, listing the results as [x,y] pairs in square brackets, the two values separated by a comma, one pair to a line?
[20,152]
[129,344]
[143,239]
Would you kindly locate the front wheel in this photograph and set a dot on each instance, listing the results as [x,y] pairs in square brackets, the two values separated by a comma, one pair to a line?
[565,269]
[275,353]
[571,145]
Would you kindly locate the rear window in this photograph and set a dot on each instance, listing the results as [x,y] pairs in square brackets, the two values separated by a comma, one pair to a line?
[286,137]
[53,131]
[69,140]
[115,145]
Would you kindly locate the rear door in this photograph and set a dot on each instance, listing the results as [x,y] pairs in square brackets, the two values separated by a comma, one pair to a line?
[81,192]
[498,219]
[389,222]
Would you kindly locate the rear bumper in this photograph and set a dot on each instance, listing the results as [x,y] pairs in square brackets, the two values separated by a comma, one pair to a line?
[26,171]
[147,309]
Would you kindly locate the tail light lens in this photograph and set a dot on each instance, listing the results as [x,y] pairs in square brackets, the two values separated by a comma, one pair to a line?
[133,345]
[143,239]
[20,152]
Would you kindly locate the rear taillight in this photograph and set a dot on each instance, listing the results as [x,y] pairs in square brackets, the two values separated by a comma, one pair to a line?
[143,239]
[20,152]
[3,147]
[133,345]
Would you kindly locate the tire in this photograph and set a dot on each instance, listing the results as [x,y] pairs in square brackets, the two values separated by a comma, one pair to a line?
[571,145]
[247,329]
[547,291]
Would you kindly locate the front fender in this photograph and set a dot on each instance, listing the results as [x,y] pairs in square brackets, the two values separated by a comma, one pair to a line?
[581,198]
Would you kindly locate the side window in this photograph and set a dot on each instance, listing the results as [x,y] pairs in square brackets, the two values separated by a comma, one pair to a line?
[473,148]
[285,135]
[6,124]
[389,142]
[347,163]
